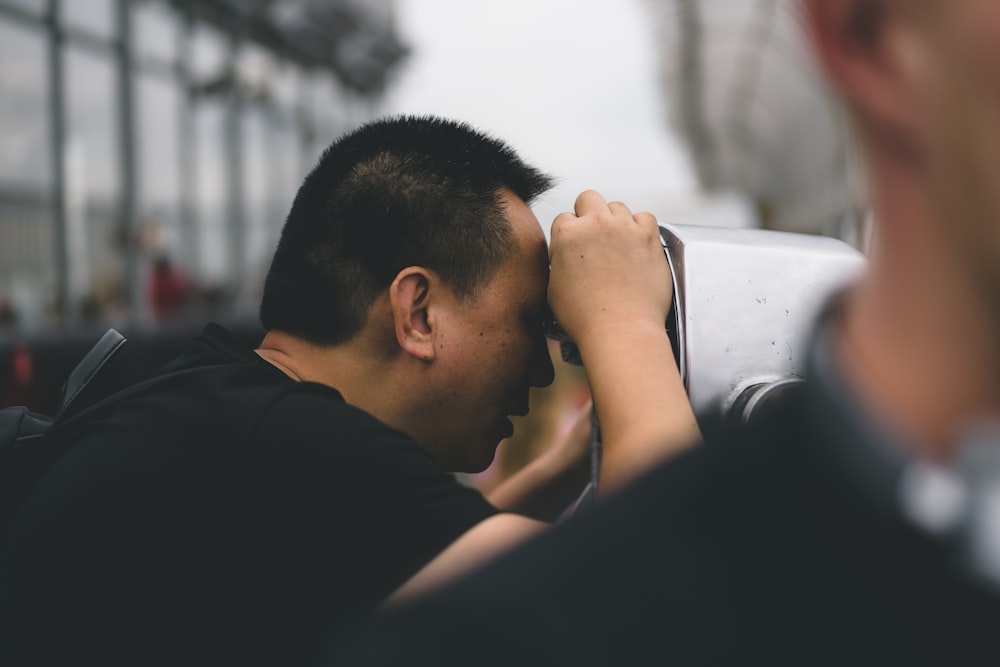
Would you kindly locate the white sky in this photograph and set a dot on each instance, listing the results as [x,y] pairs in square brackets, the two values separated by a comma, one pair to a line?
[570,84]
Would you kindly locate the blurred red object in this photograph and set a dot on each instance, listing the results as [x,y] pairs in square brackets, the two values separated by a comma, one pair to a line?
[169,290]
[19,385]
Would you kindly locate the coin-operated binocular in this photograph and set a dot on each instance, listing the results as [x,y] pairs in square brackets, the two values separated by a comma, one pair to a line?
[744,302]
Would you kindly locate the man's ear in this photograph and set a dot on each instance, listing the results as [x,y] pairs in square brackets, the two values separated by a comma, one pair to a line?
[864,47]
[409,298]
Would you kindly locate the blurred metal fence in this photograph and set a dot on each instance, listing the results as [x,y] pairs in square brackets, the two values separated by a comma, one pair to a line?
[149,149]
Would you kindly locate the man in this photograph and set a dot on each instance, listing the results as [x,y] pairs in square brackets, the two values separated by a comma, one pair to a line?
[251,503]
[856,522]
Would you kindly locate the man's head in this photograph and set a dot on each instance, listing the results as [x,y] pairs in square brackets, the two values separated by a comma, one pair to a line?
[416,273]
[394,193]
[922,79]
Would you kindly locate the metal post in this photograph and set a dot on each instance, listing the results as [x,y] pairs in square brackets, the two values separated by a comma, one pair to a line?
[129,178]
[188,160]
[234,159]
[57,122]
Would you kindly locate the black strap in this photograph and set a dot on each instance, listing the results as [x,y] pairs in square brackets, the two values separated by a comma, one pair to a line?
[96,359]
[86,372]
[127,392]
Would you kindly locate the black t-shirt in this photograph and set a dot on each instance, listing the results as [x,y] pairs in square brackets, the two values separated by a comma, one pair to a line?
[227,515]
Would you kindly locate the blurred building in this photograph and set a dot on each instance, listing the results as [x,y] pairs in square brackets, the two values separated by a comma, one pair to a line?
[138,131]
[746,98]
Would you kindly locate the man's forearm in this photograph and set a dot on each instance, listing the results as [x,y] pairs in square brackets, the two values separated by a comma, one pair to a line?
[639,396]
[610,288]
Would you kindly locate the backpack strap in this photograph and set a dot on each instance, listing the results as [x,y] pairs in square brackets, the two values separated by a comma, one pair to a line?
[80,378]
[118,396]
[30,442]
[18,423]
[82,393]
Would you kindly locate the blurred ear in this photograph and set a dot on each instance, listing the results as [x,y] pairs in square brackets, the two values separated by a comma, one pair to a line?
[410,297]
[865,48]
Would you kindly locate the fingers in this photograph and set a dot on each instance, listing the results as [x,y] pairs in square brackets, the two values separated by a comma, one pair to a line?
[591,202]
[557,226]
[648,221]
[588,201]
[618,209]
[603,248]
[590,205]
[563,218]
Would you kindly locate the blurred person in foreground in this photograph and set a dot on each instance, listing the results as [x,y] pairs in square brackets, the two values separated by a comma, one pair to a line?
[857,521]
[254,501]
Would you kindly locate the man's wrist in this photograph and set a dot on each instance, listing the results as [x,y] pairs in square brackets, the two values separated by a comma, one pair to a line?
[614,336]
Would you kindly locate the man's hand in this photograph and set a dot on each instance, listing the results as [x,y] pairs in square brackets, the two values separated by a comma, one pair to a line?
[610,290]
[550,483]
[608,268]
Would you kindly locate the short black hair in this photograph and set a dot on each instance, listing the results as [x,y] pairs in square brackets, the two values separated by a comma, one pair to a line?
[398,192]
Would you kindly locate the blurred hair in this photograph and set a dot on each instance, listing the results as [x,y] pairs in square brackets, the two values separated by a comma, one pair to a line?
[404,191]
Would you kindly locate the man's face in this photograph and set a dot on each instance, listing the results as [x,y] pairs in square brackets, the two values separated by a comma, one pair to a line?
[492,349]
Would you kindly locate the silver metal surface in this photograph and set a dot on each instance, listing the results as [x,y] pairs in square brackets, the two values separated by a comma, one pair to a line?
[744,301]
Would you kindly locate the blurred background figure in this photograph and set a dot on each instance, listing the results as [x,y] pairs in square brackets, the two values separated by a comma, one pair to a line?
[170,290]
[19,387]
